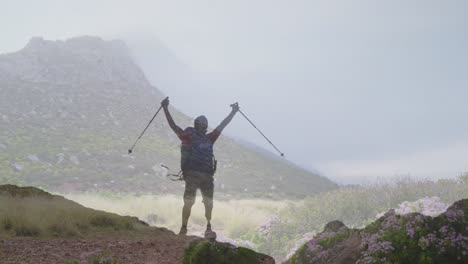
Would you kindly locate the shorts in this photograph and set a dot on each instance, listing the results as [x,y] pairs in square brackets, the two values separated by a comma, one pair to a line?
[198,180]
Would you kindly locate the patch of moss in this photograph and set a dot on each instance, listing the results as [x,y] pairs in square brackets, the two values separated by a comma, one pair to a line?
[302,255]
[200,252]
[334,226]
[329,242]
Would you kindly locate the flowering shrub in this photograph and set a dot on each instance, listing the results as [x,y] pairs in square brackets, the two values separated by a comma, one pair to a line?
[300,242]
[357,207]
[320,248]
[265,229]
[430,206]
[395,238]
[262,239]
[414,238]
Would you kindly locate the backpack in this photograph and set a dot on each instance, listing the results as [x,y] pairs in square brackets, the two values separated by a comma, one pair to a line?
[199,155]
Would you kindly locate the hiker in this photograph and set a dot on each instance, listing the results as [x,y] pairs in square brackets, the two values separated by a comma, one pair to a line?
[197,162]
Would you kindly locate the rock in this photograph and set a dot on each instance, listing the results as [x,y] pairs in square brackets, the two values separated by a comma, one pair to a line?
[210,235]
[18,166]
[152,218]
[33,158]
[60,157]
[334,226]
[75,160]
[200,251]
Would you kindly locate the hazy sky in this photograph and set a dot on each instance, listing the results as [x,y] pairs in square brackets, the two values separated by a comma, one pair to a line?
[358,90]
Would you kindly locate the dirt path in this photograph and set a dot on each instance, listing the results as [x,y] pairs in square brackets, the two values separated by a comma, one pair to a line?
[160,249]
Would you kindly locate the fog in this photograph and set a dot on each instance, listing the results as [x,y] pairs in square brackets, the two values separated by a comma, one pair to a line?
[358,91]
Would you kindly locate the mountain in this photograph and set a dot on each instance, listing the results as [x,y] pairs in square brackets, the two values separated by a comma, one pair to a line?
[393,238]
[53,229]
[70,110]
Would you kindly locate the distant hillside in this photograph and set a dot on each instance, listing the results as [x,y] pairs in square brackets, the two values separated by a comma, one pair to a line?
[69,111]
[393,238]
[66,232]
[31,212]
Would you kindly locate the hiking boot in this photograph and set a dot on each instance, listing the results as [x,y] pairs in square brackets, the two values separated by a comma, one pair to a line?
[210,234]
[183,231]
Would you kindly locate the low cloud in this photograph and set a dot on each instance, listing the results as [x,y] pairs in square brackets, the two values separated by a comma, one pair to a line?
[443,162]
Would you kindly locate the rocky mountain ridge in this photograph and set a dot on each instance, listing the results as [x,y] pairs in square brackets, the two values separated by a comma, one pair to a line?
[69,110]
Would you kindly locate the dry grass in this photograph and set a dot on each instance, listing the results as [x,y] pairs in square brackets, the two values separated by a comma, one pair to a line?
[230,218]
[39,216]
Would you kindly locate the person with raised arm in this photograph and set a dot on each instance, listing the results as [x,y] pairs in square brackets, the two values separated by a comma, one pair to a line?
[198,163]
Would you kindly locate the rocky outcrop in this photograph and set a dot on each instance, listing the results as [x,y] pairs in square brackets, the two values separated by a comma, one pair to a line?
[201,252]
[393,238]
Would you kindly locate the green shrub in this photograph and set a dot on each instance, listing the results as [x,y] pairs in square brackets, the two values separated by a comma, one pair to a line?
[24,230]
[103,221]
[332,241]
[61,229]
[7,224]
[128,225]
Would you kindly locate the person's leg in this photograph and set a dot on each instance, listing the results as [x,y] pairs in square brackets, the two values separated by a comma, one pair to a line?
[189,199]
[207,190]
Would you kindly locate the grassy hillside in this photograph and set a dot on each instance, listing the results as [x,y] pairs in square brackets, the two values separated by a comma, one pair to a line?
[30,212]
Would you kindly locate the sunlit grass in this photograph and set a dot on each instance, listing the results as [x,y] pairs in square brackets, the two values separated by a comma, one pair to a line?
[230,218]
[39,217]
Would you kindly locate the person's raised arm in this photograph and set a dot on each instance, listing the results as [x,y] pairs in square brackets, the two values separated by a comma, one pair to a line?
[227,120]
[172,124]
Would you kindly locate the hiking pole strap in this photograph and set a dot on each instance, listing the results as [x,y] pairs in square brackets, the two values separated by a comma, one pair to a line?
[130,150]
[281,153]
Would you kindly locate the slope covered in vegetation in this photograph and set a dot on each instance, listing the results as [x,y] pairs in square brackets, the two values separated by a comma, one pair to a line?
[393,238]
[355,206]
[31,212]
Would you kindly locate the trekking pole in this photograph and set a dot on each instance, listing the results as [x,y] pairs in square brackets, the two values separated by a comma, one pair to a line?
[281,153]
[131,149]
